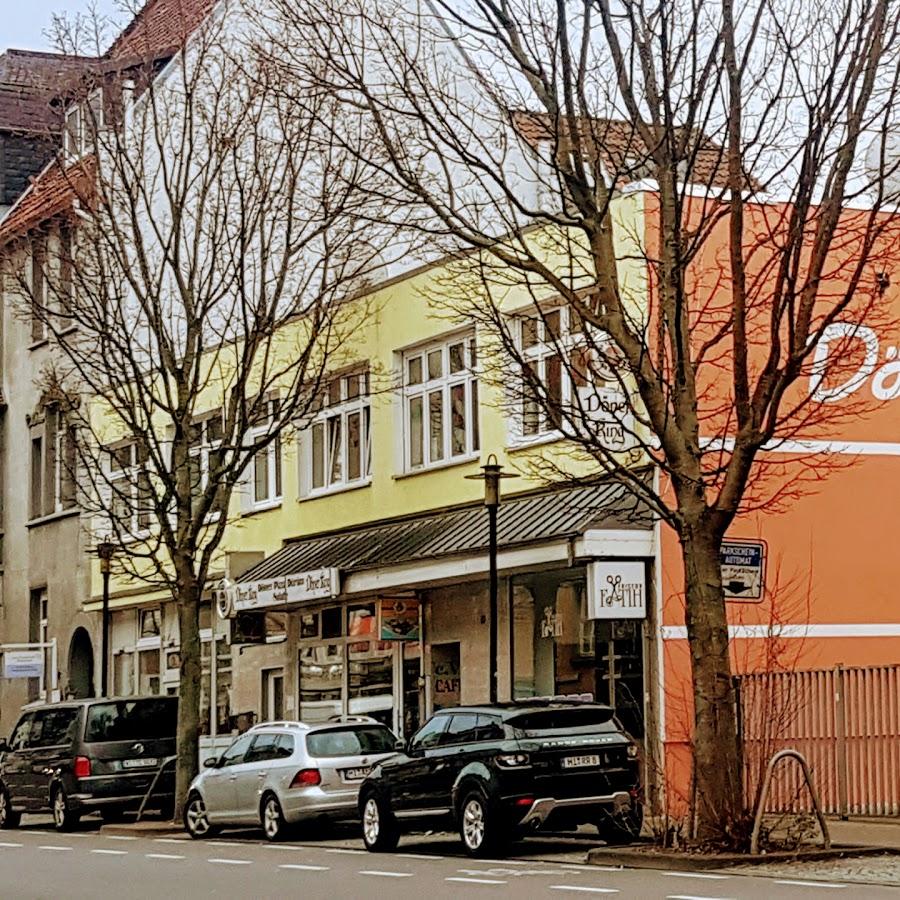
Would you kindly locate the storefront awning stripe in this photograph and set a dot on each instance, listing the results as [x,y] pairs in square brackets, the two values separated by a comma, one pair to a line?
[527,519]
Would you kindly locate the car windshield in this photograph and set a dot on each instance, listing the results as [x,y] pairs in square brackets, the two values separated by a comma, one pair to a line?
[131,720]
[565,720]
[350,741]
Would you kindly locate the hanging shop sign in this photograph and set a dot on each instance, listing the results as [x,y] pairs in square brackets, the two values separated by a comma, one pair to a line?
[616,590]
[398,619]
[319,584]
[23,663]
[743,569]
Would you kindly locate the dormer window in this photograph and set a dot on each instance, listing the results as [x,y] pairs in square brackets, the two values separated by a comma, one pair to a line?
[82,121]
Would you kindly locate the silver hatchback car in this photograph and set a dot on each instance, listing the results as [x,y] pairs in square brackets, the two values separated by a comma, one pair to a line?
[280,774]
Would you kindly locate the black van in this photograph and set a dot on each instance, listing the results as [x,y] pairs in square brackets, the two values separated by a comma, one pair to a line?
[85,756]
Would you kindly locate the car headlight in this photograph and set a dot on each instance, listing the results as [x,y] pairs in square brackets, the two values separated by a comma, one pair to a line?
[513,760]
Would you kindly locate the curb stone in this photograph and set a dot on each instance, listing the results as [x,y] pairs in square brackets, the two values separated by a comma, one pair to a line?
[635,858]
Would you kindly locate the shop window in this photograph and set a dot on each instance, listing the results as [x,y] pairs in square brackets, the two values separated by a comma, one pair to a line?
[332,622]
[371,680]
[440,403]
[309,626]
[150,623]
[336,448]
[321,682]
[221,714]
[148,671]
[123,674]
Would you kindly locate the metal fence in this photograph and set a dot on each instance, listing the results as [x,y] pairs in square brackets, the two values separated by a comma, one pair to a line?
[845,721]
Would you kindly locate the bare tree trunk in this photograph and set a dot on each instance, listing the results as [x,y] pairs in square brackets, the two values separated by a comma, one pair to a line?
[717,771]
[188,732]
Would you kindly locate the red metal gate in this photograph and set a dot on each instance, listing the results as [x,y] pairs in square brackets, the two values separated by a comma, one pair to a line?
[845,721]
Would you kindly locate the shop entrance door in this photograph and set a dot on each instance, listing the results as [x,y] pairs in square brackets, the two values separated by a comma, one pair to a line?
[620,671]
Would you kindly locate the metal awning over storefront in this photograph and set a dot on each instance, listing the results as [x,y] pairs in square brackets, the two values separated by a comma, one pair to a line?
[390,553]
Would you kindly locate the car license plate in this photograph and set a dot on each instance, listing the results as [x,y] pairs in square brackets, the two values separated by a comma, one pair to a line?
[577,762]
[140,763]
[356,774]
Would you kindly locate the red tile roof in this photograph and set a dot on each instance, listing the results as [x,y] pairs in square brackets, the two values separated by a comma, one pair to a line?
[158,30]
[161,27]
[622,150]
[51,193]
[29,82]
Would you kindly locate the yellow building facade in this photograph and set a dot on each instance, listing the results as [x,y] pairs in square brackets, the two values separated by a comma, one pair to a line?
[353,575]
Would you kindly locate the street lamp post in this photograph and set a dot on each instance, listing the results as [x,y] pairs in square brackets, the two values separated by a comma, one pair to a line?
[105,550]
[491,473]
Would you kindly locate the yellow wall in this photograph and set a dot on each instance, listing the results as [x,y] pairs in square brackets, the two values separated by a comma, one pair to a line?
[404,314]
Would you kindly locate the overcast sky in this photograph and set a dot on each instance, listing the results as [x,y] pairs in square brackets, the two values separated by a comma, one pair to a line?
[23,22]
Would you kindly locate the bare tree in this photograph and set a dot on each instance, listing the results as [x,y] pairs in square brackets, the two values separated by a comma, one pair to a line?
[669,201]
[202,286]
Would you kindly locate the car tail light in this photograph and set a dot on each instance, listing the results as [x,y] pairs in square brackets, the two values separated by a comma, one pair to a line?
[306,778]
[513,760]
[524,801]
[632,751]
[82,767]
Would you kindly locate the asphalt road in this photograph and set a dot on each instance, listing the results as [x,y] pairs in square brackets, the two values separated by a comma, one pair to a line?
[38,863]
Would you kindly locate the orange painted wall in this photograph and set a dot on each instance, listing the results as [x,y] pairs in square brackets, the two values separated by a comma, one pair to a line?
[833,544]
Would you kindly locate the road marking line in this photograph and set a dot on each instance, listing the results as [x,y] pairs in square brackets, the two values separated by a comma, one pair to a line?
[303,868]
[417,856]
[476,880]
[163,856]
[386,874]
[111,852]
[170,840]
[231,862]
[9,844]
[694,897]
[343,850]
[708,875]
[812,884]
[283,846]
[582,889]
[118,837]
[231,843]
[52,847]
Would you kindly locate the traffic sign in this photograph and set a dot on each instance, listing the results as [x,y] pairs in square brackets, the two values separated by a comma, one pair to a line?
[743,569]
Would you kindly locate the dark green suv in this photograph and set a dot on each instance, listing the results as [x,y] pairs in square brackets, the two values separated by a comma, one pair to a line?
[501,770]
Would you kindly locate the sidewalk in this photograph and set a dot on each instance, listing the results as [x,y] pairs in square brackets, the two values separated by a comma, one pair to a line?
[866,832]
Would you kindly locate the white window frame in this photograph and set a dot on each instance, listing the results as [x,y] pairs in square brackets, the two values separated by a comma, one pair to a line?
[345,395]
[538,326]
[431,387]
[202,449]
[75,133]
[128,471]
[271,454]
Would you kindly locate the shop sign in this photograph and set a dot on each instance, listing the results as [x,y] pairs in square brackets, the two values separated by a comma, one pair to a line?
[616,590]
[398,619]
[320,584]
[743,569]
[23,663]
[608,409]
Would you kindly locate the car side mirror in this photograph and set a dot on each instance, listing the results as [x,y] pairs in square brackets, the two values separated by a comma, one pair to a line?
[211,763]
[400,746]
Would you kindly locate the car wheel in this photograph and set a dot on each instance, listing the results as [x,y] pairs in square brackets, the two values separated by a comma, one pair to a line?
[272,818]
[196,820]
[64,817]
[477,827]
[618,828]
[380,831]
[8,818]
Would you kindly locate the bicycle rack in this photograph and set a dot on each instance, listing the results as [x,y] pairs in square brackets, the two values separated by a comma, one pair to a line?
[764,793]
[166,761]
